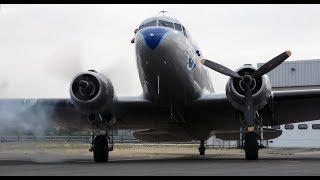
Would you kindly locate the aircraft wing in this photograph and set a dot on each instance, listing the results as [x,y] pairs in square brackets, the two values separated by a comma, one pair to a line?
[293,106]
[214,112]
[30,114]
[210,112]
[286,107]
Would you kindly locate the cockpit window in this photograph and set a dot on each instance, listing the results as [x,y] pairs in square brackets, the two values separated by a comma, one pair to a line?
[166,24]
[152,23]
[178,26]
[184,31]
[141,27]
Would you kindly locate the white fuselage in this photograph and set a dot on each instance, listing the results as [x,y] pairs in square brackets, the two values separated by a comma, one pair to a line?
[169,65]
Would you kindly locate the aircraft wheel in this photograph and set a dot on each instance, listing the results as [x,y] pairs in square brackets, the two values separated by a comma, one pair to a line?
[100,149]
[251,146]
[202,149]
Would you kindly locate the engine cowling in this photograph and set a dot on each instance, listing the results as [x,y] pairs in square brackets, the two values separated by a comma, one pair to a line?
[92,93]
[260,87]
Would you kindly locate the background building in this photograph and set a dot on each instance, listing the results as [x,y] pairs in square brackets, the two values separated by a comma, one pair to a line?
[296,75]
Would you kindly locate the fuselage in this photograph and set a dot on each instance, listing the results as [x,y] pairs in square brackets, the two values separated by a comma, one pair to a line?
[168,63]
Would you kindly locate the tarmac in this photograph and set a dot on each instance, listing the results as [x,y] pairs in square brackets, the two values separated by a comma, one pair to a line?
[155,161]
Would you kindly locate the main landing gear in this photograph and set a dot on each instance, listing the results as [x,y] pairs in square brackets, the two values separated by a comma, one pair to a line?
[249,142]
[251,146]
[100,149]
[101,145]
[251,136]
[202,149]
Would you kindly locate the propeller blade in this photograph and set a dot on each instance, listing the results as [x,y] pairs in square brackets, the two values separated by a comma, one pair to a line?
[270,65]
[220,68]
[249,111]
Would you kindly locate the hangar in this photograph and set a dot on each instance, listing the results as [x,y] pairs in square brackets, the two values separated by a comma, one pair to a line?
[296,75]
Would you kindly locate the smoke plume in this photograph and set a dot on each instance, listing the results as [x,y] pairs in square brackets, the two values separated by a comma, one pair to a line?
[24,117]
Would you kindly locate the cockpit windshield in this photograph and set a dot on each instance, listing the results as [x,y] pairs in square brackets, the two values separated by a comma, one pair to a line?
[165,24]
[178,27]
[152,23]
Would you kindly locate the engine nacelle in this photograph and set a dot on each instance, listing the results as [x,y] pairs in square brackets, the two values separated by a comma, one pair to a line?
[260,87]
[92,93]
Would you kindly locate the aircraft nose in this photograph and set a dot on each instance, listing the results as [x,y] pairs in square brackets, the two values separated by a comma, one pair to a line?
[153,36]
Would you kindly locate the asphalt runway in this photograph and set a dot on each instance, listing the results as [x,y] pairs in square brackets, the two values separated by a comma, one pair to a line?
[184,165]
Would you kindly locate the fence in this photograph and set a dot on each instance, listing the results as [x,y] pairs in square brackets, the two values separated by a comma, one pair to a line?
[83,139]
[116,139]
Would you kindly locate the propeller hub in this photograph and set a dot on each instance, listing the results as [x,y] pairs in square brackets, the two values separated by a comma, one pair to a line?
[247,79]
[87,88]
[83,84]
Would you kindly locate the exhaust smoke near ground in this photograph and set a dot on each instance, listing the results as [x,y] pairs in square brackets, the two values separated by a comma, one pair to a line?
[24,117]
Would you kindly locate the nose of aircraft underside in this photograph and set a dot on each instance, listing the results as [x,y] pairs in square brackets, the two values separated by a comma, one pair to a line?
[161,56]
[160,49]
[160,43]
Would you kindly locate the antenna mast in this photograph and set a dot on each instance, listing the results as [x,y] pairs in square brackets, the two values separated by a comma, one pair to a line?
[163,12]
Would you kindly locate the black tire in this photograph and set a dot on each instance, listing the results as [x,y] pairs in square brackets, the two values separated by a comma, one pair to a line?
[251,146]
[100,149]
[202,150]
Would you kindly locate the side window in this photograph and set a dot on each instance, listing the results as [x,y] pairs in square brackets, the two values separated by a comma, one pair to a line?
[315,126]
[302,126]
[166,24]
[152,23]
[184,32]
[276,127]
[289,126]
[177,27]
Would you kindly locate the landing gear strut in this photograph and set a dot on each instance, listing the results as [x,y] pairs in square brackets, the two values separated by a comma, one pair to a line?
[202,149]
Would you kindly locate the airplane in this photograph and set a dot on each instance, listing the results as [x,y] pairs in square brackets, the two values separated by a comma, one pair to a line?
[178,102]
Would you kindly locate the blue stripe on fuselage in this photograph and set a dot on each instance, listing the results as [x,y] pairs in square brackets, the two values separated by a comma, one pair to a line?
[153,35]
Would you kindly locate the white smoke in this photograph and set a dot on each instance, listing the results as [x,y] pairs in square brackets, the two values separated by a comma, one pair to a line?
[69,60]
[19,116]
[124,78]
[66,61]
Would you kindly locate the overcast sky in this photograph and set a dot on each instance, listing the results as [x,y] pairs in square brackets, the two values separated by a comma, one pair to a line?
[42,47]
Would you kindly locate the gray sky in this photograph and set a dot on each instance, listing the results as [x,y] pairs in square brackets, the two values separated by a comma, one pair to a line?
[42,47]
